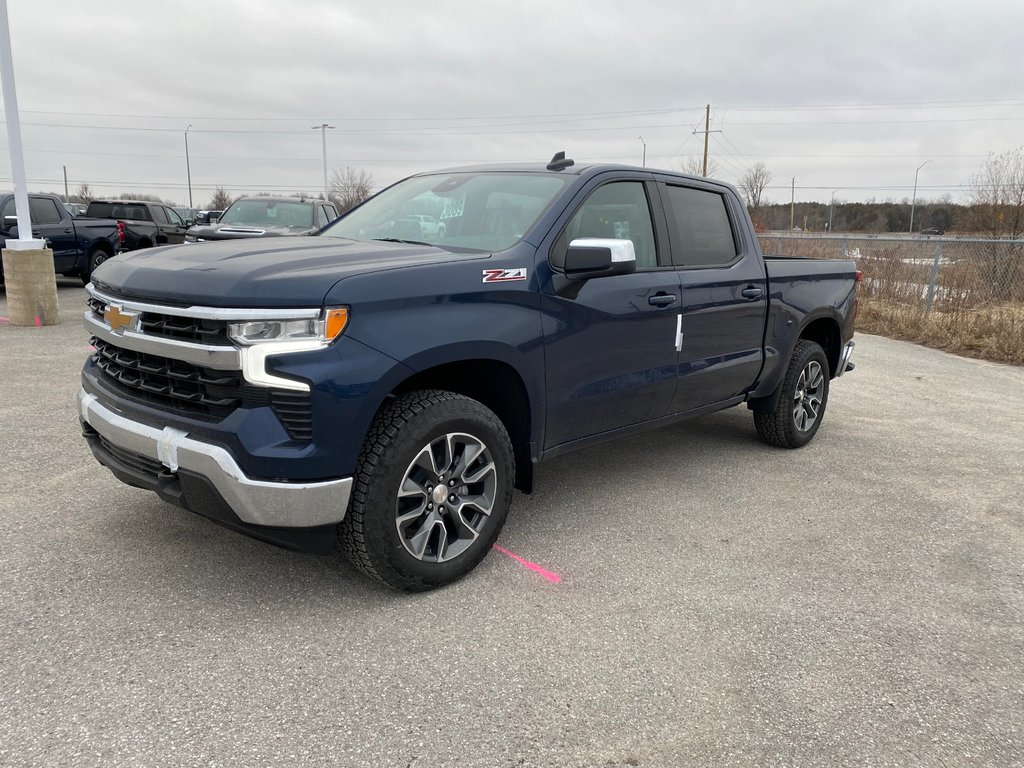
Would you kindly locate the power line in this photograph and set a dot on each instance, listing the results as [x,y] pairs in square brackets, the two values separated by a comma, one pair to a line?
[896,105]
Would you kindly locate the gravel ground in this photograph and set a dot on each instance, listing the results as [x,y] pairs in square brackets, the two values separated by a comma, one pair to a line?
[858,602]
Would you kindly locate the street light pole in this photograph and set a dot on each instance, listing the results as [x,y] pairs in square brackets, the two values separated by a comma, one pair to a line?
[323,138]
[644,161]
[188,167]
[913,200]
[831,206]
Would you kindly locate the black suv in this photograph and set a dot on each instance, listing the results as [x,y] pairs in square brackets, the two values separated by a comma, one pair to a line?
[267,217]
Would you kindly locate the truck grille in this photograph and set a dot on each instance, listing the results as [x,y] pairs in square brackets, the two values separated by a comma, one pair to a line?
[192,329]
[197,391]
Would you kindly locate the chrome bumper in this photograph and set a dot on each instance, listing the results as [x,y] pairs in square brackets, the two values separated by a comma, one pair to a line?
[844,359]
[257,502]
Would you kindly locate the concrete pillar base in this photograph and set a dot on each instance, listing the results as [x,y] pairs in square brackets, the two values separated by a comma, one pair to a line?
[31,287]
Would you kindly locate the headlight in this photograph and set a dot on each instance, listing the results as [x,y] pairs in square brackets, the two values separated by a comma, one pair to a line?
[324,329]
[194,239]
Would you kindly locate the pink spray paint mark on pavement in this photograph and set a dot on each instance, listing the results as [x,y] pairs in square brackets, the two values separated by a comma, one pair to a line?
[554,578]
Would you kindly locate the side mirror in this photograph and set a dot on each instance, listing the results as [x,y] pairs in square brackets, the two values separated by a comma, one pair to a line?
[589,257]
[213,219]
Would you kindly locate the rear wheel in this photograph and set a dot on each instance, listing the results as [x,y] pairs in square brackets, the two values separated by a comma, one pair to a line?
[96,257]
[432,491]
[802,400]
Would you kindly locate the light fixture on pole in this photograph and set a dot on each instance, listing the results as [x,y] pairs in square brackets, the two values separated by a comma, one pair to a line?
[323,138]
[913,200]
[188,167]
[831,205]
[643,162]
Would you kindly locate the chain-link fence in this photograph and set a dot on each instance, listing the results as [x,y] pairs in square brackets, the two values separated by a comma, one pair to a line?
[962,294]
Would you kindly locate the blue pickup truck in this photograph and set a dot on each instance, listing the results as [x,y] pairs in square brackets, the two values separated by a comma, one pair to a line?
[79,245]
[382,389]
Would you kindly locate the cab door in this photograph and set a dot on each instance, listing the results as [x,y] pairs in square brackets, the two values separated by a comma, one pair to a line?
[609,342]
[724,295]
[48,223]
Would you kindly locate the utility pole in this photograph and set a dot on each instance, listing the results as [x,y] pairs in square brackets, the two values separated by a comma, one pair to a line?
[913,200]
[792,204]
[707,130]
[831,206]
[643,163]
[188,167]
[323,138]
[66,198]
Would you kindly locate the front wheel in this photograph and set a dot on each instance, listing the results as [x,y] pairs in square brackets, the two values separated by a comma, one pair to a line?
[802,400]
[432,491]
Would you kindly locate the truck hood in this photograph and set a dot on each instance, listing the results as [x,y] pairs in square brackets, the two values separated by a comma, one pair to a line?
[263,272]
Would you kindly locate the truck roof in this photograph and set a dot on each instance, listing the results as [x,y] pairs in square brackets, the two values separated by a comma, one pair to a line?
[582,170]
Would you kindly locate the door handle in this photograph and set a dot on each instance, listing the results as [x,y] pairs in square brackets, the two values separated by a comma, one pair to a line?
[662,299]
[67,231]
[751,292]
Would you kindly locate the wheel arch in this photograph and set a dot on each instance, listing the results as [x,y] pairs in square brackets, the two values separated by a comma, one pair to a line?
[823,329]
[496,383]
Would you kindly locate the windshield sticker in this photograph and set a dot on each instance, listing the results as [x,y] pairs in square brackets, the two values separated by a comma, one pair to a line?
[453,208]
[504,275]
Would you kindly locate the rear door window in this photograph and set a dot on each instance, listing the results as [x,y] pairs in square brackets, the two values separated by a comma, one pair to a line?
[702,233]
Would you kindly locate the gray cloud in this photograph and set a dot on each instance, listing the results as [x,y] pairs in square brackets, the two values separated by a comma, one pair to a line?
[413,86]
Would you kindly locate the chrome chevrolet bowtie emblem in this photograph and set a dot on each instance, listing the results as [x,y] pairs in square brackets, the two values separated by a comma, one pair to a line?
[120,319]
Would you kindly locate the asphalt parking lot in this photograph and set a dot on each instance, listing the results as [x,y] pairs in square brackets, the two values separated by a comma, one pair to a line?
[858,602]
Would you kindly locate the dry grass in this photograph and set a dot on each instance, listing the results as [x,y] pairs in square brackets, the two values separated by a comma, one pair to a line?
[977,300]
[989,333]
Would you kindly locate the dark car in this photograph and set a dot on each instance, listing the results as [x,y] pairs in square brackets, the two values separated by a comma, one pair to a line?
[145,223]
[189,215]
[79,245]
[933,231]
[267,217]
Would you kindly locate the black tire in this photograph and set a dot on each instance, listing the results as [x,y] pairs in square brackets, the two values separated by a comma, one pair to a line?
[800,407]
[96,257]
[402,434]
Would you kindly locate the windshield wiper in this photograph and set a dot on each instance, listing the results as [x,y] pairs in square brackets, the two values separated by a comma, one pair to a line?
[404,242]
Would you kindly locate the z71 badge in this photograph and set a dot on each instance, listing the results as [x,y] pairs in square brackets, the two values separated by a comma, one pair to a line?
[504,275]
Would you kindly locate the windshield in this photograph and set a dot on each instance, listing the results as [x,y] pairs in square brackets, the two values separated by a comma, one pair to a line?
[472,211]
[269,213]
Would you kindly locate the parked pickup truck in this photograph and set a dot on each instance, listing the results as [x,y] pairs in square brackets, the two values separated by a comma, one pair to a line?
[266,217]
[386,395]
[79,245]
[145,223]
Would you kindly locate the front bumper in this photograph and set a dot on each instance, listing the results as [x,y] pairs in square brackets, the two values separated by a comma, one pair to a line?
[170,461]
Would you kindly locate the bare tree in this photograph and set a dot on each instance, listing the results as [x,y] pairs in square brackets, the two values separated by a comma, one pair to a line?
[221,199]
[997,192]
[694,165]
[997,195]
[752,184]
[84,192]
[350,187]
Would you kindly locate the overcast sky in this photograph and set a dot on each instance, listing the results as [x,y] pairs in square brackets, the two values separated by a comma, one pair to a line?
[854,95]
